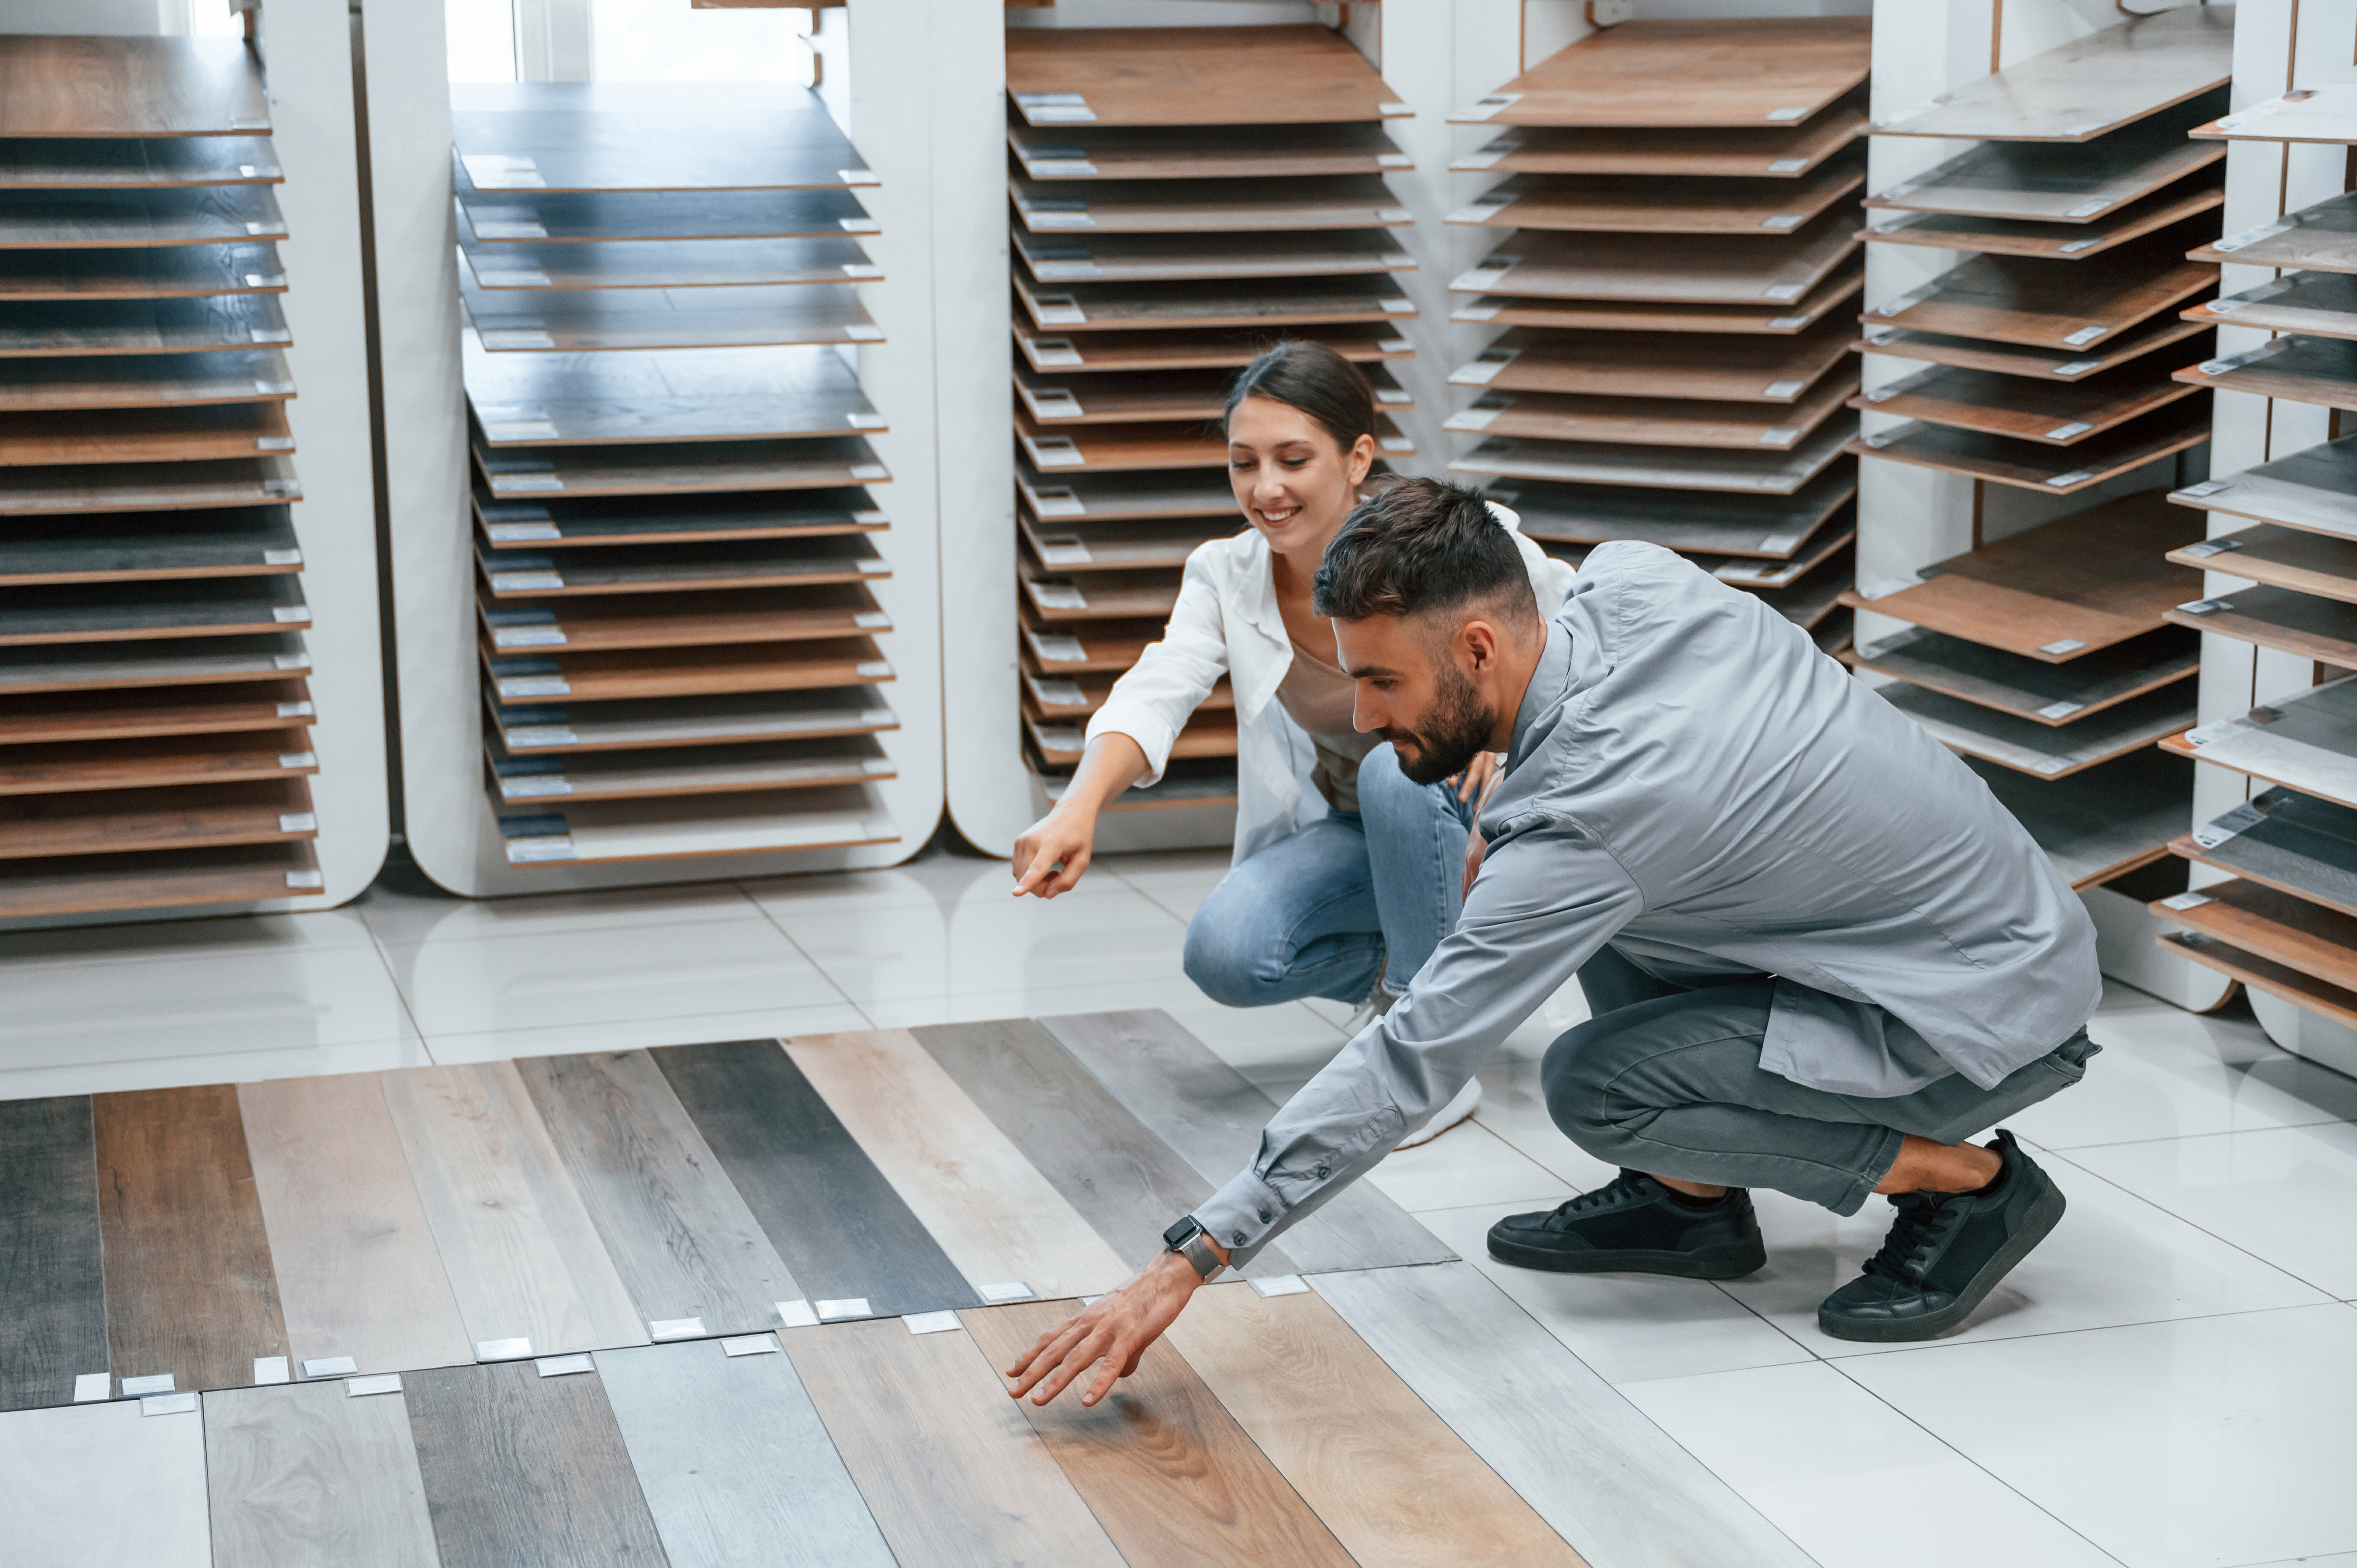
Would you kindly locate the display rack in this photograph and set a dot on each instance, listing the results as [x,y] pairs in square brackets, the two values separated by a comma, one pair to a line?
[1681,197]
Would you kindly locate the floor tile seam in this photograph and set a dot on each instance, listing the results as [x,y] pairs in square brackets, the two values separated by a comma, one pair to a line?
[1961,1344]
[384,962]
[2188,1220]
[6,1072]
[2325,1121]
[657,1018]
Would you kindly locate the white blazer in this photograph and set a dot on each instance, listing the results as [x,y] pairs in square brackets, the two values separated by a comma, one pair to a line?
[1226,623]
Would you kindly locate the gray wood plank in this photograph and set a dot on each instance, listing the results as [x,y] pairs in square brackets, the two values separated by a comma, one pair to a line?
[510,216]
[250,269]
[2302,845]
[198,607]
[1591,1464]
[102,1485]
[1213,1116]
[52,1294]
[303,1475]
[661,136]
[78,163]
[664,394]
[737,1470]
[75,328]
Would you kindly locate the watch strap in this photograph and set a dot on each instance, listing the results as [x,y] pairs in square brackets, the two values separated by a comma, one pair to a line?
[1187,1240]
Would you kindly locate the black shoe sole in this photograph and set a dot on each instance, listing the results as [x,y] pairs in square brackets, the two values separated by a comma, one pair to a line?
[2044,1215]
[1724,1262]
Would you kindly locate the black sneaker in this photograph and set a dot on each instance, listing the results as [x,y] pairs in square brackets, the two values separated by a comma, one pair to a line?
[1945,1253]
[1634,1226]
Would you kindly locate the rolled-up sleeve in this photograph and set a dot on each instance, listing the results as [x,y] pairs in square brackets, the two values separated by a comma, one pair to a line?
[1151,702]
[1548,897]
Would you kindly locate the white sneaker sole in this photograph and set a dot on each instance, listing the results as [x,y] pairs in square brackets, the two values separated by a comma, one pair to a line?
[1460,1108]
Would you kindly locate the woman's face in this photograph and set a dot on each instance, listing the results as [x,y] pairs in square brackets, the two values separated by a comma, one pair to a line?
[1294,483]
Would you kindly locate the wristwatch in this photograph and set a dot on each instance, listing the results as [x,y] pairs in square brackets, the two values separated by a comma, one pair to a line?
[1187,1239]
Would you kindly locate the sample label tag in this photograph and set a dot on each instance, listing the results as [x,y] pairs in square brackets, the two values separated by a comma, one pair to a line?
[2066,432]
[2061,646]
[2241,820]
[564,1365]
[168,1404]
[848,1307]
[2206,488]
[2209,547]
[1486,107]
[331,1367]
[1054,108]
[752,1345]
[139,1388]
[2078,366]
[1280,1284]
[90,1387]
[2206,607]
[2187,901]
[1787,166]
[931,1322]
[797,1314]
[1014,1290]
[676,1328]
[2075,476]
[2059,709]
[2086,335]
[503,1349]
[377,1384]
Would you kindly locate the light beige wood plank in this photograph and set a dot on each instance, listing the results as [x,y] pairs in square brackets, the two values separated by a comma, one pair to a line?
[302,1477]
[2090,85]
[102,1486]
[1768,71]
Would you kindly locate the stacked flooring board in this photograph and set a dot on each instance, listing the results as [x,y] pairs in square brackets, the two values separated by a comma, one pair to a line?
[154,741]
[2049,351]
[674,534]
[745,1303]
[1182,197]
[1683,198]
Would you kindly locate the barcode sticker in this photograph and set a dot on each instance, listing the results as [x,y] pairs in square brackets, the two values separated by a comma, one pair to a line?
[2061,646]
[2059,709]
[2089,209]
[1487,107]
[2086,335]
[2205,607]
[2078,366]
[1787,166]
[2241,820]
[2067,432]
[2206,488]
[1784,221]
[1484,367]
[1058,168]
[2064,481]
[2233,243]
[1782,115]
[1786,323]
[2209,547]
[1051,650]
[527,637]
[2187,901]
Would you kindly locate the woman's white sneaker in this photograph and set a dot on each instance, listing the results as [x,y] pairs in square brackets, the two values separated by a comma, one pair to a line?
[1466,1102]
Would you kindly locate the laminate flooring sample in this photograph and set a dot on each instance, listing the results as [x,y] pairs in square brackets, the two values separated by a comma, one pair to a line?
[517,275]
[75,884]
[737,1470]
[98,219]
[358,1271]
[1690,423]
[102,1486]
[2313,489]
[1086,546]
[688,671]
[1773,528]
[1238,302]
[143,435]
[1061,254]
[1173,1478]
[2302,624]
[2061,183]
[1754,72]
[1762,472]
[1054,348]
[1117,448]
[85,163]
[2057,413]
[511,216]
[2044,751]
[2031,688]
[231,542]
[116,821]
[2323,237]
[1213,1116]
[1590,1463]
[1090,645]
[1059,152]
[156,381]
[94,667]
[93,327]
[305,1474]
[2264,975]
[1190,76]
[2035,465]
[1385,1473]
[2156,337]
[1836,291]
[747,823]
[681,469]
[189,1286]
[2287,840]
[147,487]
[2314,115]
[1647,204]
[2318,942]
[2090,85]
[1642,365]
[522,1258]
[779,564]
[1703,269]
[1205,207]
[981,1487]
[2321,303]
[2280,557]
[598,320]
[683,621]
[1123,498]
[2308,742]
[833,1216]
[690,771]
[688,721]
[2297,370]
[155,761]
[523,1471]
[130,87]
[647,136]
[2172,217]
[683,394]
[558,524]
[1764,152]
[2016,300]
[680,1237]
[52,1292]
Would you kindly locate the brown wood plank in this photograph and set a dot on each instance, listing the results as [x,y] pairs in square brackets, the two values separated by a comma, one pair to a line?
[701,467]
[2316,941]
[2055,413]
[1061,744]
[1092,547]
[179,435]
[69,884]
[542,217]
[1209,206]
[688,770]
[147,487]
[2013,300]
[2036,466]
[1089,646]
[1266,303]
[1191,75]
[2091,85]
[264,657]
[760,563]
[2279,558]
[586,322]
[1102,596]
[1122,448]
[1838,292]
[2044,182]
[2259,973]
[1767,153]
[63,767]
[63,86]
[1771,528]
[1052,398]
[2321,303]
[1203,152]
[647,136]
[1763,369]
[683,621]
[686,671]
[2322,237]
[173,272]
[617,831]
[93,327]
[1059,254]
[2028,688]
[119,821]
[1660,422]
[522,273]
[2176,217]
[552,729]
[1058,350]
[1647,204]
[190,1290]
[79,163]
[1585,462]
[1067,696]
[676,395]
[2297,370]
[2300,624]
[1705,269]
[159,381]
[107,612]
[1760,71]
[2014,360]
[124,715]
[1125,497]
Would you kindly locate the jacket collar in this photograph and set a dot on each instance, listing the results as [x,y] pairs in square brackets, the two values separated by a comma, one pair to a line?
[1549,684]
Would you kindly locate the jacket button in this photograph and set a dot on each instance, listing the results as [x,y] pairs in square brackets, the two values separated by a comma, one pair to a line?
[1321,1173]
[1237,1239]
[1266,1217]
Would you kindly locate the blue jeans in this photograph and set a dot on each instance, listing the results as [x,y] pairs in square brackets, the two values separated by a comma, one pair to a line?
[1315,914]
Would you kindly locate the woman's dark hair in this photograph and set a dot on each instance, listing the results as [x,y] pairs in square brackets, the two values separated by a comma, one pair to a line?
[1314,379]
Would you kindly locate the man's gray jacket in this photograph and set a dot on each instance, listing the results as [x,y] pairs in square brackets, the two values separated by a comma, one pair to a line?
[1692,781]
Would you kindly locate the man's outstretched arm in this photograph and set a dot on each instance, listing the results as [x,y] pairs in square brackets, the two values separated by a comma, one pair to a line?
[1111,1333]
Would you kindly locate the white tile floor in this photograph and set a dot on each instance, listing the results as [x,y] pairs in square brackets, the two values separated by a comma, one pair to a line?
[2172,1380]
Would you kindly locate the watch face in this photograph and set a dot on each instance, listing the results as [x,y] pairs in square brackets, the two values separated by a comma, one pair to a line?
[1178,1235]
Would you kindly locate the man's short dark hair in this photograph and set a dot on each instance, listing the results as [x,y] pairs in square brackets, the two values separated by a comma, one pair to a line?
[1420,545]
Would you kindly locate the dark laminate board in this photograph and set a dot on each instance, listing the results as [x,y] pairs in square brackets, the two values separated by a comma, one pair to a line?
[161,380]
[1691,423]
[305,1474]
[1060,255]
[1765,370]
[1090,646]
[189,1288]
[74,329]
[1702,269]
[2106,821]
[2091,84]
[659,672]
[105,220]
[120,715]
[1208,1111]
[1768,151]
[80,162]
[550,727]
[688,770]
[2058,413]
[1063,398]
[1647,204]
[1780,318]
[1059,152]
[130,87]
[77,884]
[52,1294]
[2323,237]
[2298,845]
[2154,337]
[1062,697]
[512,216]
[247,270]
[2300,624]
[1811,602]
[159,760]
[100,612]
[2281,558]
[1765,71]
[2321,303]
[676,395]
[525,1470]
[681,469]
[557,524]
[683,1240]
[737,1468]
[2314,488]
[109,822]
[2041,750]
[1056,350]
[683,621]
[2031,688]
[230,542]
[2072,184]
[590,321]
[1243,302]
[2178,217]
[832,1216]
[1116,498]
[520,273]
[264,657]
[2299,369]
[147,487]
[2036,466]
[1770,527]
[1761,472]
[1189,76]
[2014,300]
[659,136]
[724,564]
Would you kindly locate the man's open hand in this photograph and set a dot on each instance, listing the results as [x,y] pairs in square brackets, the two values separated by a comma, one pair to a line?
[1110,1334]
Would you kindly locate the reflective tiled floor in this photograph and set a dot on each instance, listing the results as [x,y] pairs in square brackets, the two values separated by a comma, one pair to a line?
[2170,1380]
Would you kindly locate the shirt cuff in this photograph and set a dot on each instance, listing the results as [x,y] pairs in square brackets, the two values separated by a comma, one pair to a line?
[1154,736]
[1242,1217]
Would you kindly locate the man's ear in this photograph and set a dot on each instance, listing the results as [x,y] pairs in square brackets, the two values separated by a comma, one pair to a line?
[1478,640]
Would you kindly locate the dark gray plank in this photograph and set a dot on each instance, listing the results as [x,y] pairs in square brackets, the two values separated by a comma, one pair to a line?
[636,519]
[1213,1116]
[229,541]
[203,215]
[60,328]
[509,216]
[170,271]
[91,612]
[665,395]
[78,163]
[52,1296]
[2302,845]
[830,1213]
[609,136]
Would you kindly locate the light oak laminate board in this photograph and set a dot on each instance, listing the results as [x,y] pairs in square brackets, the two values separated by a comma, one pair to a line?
[1082,151]
[745,824]
[700,468]
[2302,624]
[2158,336]
[1672,75]
[683,621]
[1191,75]
[1123,498]
[2320,114]
[102,1485]
[533,218]
[2304,936]
[559,523]
[2175,218]
[189,1287]
[2313,489]
[2031,689]
[1647,204]
[79,884]
[651,674]
[2320,370]
[690,771]
[682,1239]
[1058,255]
[2054,412]
[2057,184]
[82,163]
[2306,742]
[2298,845]
[520,1468]
[99,667]
[164,381]
[2092,84]
[1642,364]
[548,728]
[1705,269]
[1091,547]
[587,321]
[1838,291]
[2322,237]
[1204,206]
[1204,735]
[147,487]
[1242,302]
[2324,303]
[517,274]
[1761,472]
[131,86]
[109,822]
[1767,152]
[523,1260]
[1688,423]
[1772,528]
[78,330]
[306,1474]
[735,1467]
[1169,1473]
[2013,300]
[105,220]
[1390,1478]
[2263,974]
[1057,349]
[767,563]
[675,394]
[98,612]
[2036,465]
[248,269]
[52,1293]
[2279,558]
[2104,821]
[2045,751]
[1089,647]
[647,136]
[358,1271]
[245,541]
[1122,448]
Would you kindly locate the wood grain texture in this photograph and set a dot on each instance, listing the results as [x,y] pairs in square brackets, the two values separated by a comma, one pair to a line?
[1173,206]
[1761,153]
[785,563]
[2100,823]
[234,542]
[735,824]
[189,1288]
[304,1475]
[105,666]
[1771,528]
[144,381]
[980,1488]
[2280,981]
[2297,370]
[660,136]
[2035,465]
[737,1470]
[508,217]
[1053,595]
[680,721]
[680,1237]
[2043,750]
[2308,745]
[1194,76]
[522,1258]
[99,328]
[1230,303]
[2017,359]
[85,290]
[2323,237]
[2313,489]
[1213,1116]
[130,87]
[535,276]
[101,1486]
[693,771]
[523,1471]
[596,320]
[2016,299]
[78,163]
[1689,423]
[2031,688]
[52,1292]
[1054,348]
[2304,846]
[1836,290]
[2317,941]
[2175,216]
[835,1220]
[2090,85]
[1647,204]
[2060,184]
[1646,364]
[671,394]
[133,711]
[1590,1463]
[1765,472]
[688,671]
[2055,413]
[117,821]
[147,487]
[2321,303]
[1388,1476]
[2293,558]
[158,761]
[1124,498]
[105,220]
[1167,1470]
[700,466]
[1674,75]
[561,522]
[1202,152]
[357,1267]
[1700,269]
[2302,624]
[693,620]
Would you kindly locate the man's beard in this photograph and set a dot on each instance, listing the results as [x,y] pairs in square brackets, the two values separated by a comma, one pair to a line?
[1456,731]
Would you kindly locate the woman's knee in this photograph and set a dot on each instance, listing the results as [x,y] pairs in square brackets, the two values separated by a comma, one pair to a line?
[1386,792]
[1224,959]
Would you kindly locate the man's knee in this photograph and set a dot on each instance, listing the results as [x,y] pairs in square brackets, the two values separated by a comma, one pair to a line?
[1575,1079]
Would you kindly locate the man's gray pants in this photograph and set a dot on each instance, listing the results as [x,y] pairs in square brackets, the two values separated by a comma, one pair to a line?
[1667,1080]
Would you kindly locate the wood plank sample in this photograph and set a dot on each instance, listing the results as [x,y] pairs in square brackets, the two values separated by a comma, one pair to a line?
[117,821]
[2263,974]
[2031,689]
[2153,336]
[679,1237]
[700,468]
[665,395]
[102,220]
[248,271]
[545,728]
[2306,742]
[2280,558]
[52,1294]
[1761,472]
[1647,204]
[76,885]
[1204,735]
[2171,218]
[771,562]
[2057,413]
[306,1474]
[2313,489]
[658,137]
[245,541]
[2300,624]
[77,327]
[1660,422]
[1161,1463]
[2316,941]
[747,824]
[534,217]
[1768,151]
[515,276]
[2050,183]
[2090,85]
[1390,1478]
[358,1273]
[689,771]
[1206,206]
[147,487]
[1706,269]
[2321,303]
[686,671]
[1213,1116]
[130,87]
[1589,1463]
[1090,645]
[2045,751]
[81,163]
[522,1258]
[1127,399]
[2013,300]
[1061,253]
[2103,823]
[1090,547]
[735,1467]
[596,321]
[1814,599]
[522,1468]
[163,380]
[559,522]
[2297,844]
[1642,364]
[2323,237]
[2299,369]
[1763,71]
[113,611]
[833,1216]
[104,1484]
[1113,449]
[94,667]
[683,621]
[1124,498]
[2311,114]
[1202,152]
[1190,76]
[143,435]
[2058,591]
[1770,528]
[1053,348]
[2036,466]
[1238,302]
[1838,290]
[190,1289]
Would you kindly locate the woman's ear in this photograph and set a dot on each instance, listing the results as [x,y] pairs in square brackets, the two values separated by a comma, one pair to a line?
[1362,459]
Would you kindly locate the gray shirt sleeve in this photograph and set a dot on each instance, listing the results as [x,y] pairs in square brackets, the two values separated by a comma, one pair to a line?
[1548,897]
